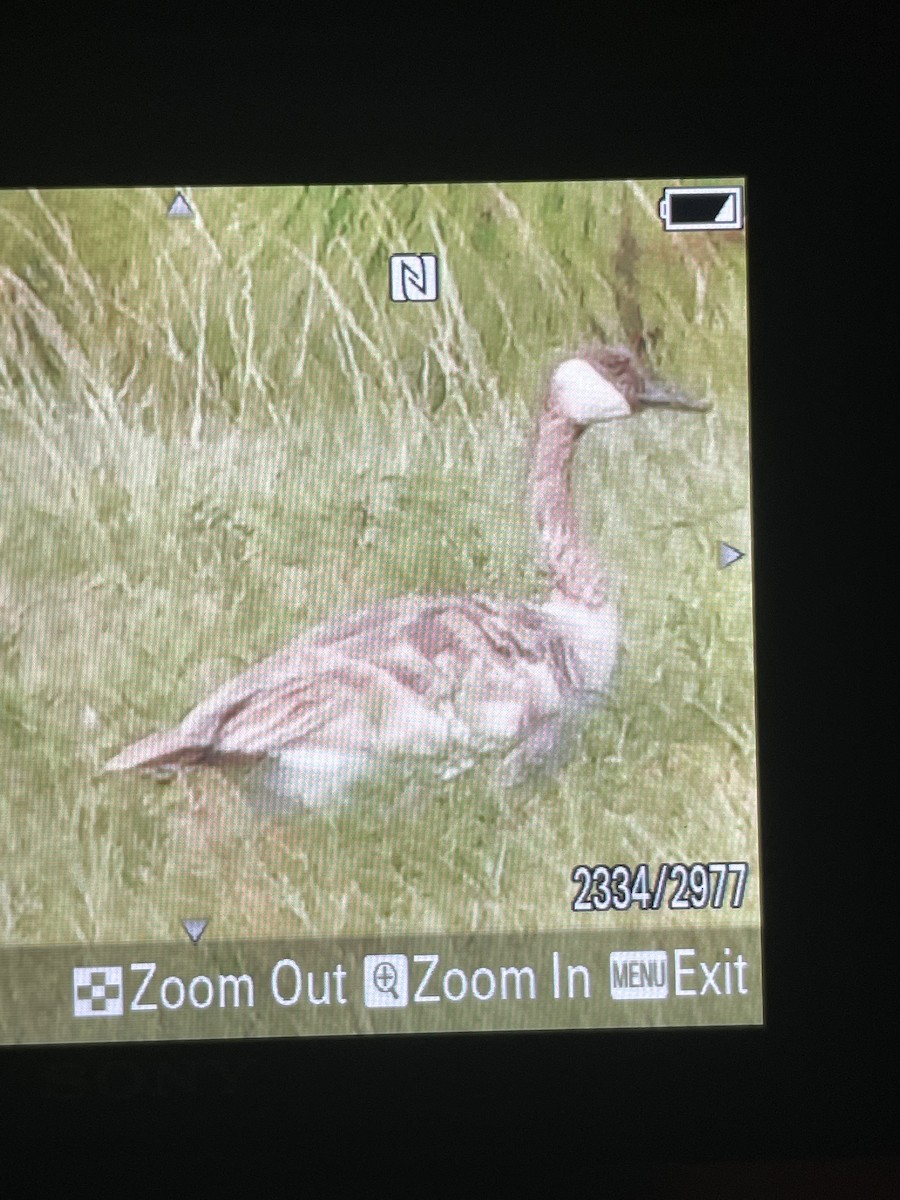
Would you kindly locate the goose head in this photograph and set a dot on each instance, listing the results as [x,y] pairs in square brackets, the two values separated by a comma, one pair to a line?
[608,382]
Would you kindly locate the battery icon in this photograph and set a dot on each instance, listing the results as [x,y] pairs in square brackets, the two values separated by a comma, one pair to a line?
[687,208]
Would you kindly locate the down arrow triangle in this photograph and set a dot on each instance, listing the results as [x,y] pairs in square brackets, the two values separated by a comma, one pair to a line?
[195,927]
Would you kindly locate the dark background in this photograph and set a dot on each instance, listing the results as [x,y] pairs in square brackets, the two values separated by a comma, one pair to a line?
[806,1105]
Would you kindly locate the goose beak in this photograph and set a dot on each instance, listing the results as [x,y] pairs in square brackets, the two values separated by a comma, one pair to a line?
[666,395]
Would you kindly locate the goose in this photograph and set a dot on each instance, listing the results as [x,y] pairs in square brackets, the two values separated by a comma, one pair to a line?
[442,682]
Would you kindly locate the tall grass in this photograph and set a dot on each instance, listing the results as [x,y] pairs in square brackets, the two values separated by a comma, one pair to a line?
[214,433]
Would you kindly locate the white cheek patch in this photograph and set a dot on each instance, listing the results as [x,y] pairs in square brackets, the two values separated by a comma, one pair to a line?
[585,395]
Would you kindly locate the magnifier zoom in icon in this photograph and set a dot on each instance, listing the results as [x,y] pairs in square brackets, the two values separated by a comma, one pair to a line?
[386,980]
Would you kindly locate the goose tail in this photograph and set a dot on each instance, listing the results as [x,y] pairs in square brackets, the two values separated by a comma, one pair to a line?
[169,749]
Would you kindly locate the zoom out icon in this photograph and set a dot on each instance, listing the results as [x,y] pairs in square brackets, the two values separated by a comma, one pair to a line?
[414,277]
[386,980]
[98,992]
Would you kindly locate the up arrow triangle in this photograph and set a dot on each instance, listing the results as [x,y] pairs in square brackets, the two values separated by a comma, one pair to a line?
[180,207]
[195,927]
[728,554]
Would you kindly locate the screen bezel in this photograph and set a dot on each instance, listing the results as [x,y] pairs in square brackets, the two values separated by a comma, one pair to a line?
[769,1085]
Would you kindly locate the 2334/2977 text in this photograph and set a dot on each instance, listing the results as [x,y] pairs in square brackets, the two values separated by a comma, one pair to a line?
[675,885]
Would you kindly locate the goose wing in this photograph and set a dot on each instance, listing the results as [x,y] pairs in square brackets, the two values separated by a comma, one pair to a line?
[418,676]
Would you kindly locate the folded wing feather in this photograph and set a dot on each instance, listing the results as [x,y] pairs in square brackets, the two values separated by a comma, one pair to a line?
[422,677]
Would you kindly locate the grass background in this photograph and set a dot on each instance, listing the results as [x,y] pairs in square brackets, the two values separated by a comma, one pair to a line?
[214,433]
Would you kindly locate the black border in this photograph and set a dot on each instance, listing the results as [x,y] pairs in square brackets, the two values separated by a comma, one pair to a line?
[765,104]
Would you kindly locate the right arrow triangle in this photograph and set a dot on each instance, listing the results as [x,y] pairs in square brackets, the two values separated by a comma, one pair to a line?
[728,554]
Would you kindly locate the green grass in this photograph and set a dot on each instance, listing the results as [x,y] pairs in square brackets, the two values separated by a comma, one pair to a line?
[214,434]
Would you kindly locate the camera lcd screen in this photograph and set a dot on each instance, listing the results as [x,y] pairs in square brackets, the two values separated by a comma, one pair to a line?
[376,611]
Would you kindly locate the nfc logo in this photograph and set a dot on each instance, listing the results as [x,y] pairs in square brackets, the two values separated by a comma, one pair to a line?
[639,975]
[414,277]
